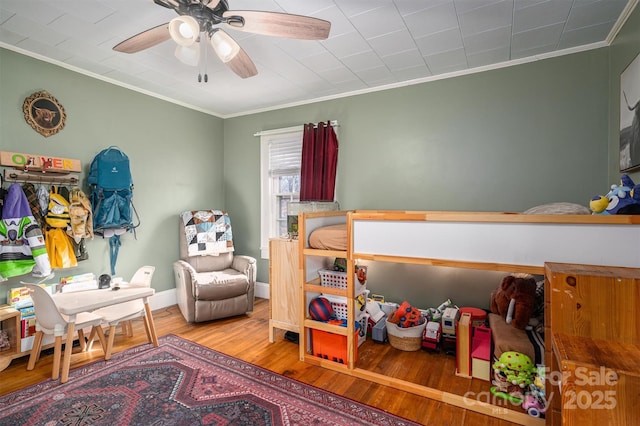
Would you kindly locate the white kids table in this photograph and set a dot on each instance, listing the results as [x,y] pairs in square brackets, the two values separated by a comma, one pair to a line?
[71,304]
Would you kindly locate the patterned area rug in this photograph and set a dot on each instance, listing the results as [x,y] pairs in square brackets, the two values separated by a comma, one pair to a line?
[182,383]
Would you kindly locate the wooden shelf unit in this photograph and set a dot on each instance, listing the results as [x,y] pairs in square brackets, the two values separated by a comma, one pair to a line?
[10,319]
[284,286]
[312,260]
[508,242]
[592,337]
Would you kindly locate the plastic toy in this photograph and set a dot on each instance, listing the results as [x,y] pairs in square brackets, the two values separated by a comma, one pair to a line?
[435,314]
[450,318]
[533,405]
[431,336]
[406,316]
[361,274]
[497,392]
[535,402]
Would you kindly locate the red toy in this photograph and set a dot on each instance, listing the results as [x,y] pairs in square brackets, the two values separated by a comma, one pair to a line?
[431,336]
[406,316]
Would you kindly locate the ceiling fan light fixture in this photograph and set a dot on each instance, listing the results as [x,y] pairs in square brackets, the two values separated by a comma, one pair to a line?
[188,55]
[184,30]
[226,48]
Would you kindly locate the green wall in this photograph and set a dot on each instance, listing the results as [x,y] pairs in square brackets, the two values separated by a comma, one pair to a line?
[502,140]
[176,155]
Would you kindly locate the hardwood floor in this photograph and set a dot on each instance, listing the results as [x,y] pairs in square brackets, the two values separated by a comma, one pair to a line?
[246,337]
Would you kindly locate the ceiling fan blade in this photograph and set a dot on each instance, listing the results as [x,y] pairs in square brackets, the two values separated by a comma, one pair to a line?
[278,24]
[242,65]
[144,40]
[169,4]
[213,4]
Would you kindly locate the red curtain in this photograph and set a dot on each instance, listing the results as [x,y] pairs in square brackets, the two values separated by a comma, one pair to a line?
[319,162]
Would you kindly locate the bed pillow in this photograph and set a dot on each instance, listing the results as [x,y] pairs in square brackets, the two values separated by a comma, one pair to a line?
[332,237]
[558,208]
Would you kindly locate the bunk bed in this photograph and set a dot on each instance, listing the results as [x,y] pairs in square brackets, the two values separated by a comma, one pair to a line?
[507,242]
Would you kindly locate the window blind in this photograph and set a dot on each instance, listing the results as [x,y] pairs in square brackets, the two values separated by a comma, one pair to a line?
[285,154]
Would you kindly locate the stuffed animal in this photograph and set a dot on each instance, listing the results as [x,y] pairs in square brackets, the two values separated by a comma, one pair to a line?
[622,199]
[515,299]
[512,373]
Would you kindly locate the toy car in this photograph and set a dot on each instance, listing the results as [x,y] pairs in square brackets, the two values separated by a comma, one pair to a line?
[450,318]
[431,336]
[533,405]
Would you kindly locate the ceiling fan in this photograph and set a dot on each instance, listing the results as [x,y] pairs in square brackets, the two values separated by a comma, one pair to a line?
[199,22]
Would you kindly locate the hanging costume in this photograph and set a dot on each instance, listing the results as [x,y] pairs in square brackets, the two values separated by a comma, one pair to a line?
[59,245]
[22,247]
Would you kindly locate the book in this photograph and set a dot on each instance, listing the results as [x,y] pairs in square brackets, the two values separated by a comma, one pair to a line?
[28,327]
[70,287]
[89,276]
[27,311]
[19,297]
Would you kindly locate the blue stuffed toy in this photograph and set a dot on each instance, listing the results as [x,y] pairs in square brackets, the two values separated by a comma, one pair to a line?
[622,199]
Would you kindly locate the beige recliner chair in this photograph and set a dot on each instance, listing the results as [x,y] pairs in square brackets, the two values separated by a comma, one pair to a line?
[213,286]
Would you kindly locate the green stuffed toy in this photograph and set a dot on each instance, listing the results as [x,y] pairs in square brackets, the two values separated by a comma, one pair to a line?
[513,372]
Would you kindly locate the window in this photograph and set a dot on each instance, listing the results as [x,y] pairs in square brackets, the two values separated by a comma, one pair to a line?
[280,161]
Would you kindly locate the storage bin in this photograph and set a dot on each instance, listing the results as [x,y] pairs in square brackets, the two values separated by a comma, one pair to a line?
[339,305]
[405,339]
[331,346]
[337,279]
[362,333]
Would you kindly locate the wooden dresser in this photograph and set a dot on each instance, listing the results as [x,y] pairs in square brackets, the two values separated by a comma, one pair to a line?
[284,286]
[592,340]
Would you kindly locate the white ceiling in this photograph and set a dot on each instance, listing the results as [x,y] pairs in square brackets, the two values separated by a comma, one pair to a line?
[373,44]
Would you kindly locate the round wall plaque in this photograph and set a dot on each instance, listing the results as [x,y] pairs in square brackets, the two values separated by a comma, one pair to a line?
[44,113]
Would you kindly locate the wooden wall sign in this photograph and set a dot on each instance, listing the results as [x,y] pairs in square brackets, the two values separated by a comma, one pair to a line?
[41,163]
[44,113]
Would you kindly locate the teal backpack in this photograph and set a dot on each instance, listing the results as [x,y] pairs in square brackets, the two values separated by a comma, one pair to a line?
[111,196]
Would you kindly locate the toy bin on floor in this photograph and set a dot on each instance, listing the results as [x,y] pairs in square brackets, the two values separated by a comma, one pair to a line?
[331,346]
[405,339]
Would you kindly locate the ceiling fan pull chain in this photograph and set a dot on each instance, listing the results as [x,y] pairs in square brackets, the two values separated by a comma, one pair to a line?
[200,67]
[206,77]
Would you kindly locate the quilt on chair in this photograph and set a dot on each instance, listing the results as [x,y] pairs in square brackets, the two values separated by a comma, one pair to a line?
[207,232]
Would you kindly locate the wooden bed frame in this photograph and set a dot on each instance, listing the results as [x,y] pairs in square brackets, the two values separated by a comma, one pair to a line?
[508,242]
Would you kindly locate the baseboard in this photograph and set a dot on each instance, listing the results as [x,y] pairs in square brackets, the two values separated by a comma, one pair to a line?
[168,297]
[262,290]
[163,299]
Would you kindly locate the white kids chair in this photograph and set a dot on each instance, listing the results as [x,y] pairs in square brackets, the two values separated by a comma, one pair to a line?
[50,321]
[127,311]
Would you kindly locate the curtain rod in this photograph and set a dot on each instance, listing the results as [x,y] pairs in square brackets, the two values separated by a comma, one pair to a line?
[333,123]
